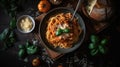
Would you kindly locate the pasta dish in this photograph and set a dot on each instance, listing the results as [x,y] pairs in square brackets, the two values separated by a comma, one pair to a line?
[60,32]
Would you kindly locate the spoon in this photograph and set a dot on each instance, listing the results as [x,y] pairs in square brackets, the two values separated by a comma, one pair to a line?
[75,10]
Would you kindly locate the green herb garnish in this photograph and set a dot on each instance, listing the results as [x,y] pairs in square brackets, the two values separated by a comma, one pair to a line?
[61,31]
[27,49]
[97,45]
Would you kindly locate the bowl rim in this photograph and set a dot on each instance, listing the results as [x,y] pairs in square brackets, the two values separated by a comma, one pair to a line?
[31,18]
[63,50]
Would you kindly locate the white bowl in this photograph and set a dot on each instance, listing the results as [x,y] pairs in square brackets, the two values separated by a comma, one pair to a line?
[25,24]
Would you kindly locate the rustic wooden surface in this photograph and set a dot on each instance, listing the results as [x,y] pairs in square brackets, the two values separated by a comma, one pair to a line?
[111,30]
[91,28]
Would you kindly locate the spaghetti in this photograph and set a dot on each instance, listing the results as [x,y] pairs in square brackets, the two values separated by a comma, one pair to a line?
[61,21]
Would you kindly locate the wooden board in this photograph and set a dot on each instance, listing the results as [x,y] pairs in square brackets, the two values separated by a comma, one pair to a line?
[54,55]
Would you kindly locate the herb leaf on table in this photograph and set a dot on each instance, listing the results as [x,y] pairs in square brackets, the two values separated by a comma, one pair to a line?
[7,37]
[97,45]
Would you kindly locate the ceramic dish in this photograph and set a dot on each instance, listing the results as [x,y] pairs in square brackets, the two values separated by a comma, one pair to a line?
[43,24]
[25,24]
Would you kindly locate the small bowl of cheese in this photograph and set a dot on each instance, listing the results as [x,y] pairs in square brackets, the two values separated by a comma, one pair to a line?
[25,24]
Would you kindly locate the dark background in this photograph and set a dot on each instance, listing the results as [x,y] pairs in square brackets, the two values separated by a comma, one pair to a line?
[10,59]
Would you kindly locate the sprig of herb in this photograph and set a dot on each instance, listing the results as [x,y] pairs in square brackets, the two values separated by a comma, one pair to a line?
[9,6]
[27,49]
[61,31]
[97,45]
[7,37]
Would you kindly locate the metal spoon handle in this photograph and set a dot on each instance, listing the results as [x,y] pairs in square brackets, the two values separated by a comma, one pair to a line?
[76,9]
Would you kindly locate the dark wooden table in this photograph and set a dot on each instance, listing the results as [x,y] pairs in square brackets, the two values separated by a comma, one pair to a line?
[112,31]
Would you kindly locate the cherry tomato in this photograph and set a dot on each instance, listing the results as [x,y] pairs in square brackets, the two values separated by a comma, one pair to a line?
[36,62]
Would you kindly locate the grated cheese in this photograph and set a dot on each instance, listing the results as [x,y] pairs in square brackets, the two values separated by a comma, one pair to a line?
[26,24]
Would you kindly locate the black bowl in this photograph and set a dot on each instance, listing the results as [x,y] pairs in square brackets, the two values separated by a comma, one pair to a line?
[43,25]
